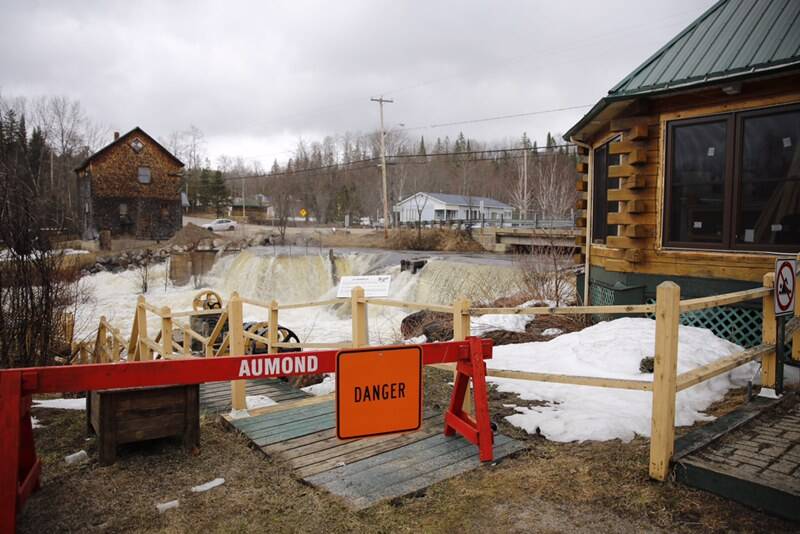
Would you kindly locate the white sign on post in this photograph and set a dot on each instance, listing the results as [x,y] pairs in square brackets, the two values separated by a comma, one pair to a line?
[785,286]
[374,286]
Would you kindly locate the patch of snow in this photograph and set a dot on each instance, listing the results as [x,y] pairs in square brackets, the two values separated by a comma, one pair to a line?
[258,401]
[328,385]
[61,404]
[35,423]
[487,323]
[416,340]
[552,332]
[611,349]
[208,485]
[238,414]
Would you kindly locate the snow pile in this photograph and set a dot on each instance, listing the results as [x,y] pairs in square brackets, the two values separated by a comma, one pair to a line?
[61,404]
[327,386]
[486,323]
[611,349]
[258,401]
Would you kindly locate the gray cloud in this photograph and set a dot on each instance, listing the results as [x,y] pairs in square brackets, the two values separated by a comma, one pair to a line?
[260,74]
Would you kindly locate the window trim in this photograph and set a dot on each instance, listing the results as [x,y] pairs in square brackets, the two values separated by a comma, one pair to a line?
[737,199]
[149,174]
[727,178]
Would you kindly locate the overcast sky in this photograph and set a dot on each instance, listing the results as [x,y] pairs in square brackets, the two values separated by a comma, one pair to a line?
[255,76]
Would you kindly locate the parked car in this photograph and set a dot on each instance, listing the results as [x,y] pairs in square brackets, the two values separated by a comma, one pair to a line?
[221,225]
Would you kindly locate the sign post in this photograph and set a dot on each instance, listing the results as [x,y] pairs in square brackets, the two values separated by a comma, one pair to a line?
[785,296]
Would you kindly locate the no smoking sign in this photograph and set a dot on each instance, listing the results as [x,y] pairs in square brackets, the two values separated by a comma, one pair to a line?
[785,286]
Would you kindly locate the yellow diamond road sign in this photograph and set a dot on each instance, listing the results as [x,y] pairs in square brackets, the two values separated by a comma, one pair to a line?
[303,212]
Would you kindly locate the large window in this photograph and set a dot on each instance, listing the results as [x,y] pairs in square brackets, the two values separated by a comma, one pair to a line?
[601,207]
[733,181]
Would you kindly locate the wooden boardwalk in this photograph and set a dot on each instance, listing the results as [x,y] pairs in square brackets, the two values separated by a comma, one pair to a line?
[751,455]
[215,397]
[368,470]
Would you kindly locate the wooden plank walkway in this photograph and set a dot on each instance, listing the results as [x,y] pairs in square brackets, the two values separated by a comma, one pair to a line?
[368,470]
[215,397]
[751,455]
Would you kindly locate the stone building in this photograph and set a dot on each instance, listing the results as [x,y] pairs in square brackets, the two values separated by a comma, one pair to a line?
[131,187]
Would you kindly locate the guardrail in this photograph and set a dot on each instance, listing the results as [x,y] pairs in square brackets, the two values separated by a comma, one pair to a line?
[666,383]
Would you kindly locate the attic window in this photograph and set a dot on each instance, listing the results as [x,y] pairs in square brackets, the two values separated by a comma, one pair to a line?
[144,175]
[137,145]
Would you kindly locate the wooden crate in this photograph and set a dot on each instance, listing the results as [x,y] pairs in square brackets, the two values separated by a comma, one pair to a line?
[131,415]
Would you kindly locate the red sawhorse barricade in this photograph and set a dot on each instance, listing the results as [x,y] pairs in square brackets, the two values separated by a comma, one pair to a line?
[20,468]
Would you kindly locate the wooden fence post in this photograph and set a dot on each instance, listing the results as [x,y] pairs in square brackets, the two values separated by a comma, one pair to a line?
[359,318]
[236,347]
[769,335]
[166,332]
[145,353]
[100,341]
[662,434]
[272,333]
[462,330]
[187,343]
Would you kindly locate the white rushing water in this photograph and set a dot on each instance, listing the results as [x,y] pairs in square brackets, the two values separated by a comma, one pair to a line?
[258,273]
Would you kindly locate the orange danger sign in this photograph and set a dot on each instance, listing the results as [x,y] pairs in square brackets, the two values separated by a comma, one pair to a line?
[378,391]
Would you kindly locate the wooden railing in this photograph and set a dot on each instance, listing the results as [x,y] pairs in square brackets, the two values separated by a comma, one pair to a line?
[109,344]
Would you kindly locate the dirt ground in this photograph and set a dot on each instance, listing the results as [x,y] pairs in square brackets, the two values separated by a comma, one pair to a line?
[551,487]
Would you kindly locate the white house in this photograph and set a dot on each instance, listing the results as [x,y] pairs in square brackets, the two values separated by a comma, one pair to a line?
[444,207]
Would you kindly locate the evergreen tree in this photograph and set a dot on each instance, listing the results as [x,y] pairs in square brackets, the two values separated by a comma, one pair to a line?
[421,151]
[219,196]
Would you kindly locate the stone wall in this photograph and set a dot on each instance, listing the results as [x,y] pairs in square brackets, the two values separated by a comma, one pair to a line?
[146,218]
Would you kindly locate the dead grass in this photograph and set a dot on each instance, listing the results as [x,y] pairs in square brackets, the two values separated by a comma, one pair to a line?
[551,487]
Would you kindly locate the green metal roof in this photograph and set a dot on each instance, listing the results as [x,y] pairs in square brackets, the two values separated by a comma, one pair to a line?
[733,38]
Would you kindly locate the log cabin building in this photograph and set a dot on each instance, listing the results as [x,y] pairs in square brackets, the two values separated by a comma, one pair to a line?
[690,166]
[132,186]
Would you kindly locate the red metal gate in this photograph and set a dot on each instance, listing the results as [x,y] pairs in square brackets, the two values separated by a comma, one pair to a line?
[20,468]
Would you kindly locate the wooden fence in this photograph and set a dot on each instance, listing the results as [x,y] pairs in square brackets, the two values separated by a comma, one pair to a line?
[666,383]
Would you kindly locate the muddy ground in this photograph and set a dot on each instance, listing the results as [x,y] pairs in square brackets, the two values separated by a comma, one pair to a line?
[551,487]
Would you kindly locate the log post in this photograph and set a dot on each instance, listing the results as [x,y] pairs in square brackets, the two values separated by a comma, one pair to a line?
[769,335]
[187,343]
[116,348]
[272,333]
[359,318]
[236,347]
[166,332]
[100,341]
[145,353]
[662,435]
[461,331]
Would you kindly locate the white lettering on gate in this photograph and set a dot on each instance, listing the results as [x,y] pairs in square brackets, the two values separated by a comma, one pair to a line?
[272,367]
[277,366]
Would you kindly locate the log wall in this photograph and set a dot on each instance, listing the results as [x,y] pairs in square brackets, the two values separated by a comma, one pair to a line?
[637,248]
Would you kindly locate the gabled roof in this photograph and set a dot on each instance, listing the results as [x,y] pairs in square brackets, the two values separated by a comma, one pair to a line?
[731,40]
[462,200]
[135,132]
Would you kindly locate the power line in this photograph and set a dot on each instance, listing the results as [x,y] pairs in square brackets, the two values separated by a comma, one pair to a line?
[499,117]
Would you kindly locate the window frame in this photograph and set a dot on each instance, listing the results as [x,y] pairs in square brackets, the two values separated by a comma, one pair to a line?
[736,203]
[149,174]
[728,178]
[600,218]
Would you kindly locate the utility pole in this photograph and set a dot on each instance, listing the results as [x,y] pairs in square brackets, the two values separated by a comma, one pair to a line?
[525,200]
[381,101]
[243,200]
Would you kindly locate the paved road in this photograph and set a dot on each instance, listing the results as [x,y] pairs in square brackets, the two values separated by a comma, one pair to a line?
[250,230]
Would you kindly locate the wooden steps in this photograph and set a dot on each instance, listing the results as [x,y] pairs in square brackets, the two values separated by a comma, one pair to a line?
[362,471]
[215,397]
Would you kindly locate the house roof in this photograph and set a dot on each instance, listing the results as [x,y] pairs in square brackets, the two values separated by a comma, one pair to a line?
[733,39]
[462,200]
[138,131]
